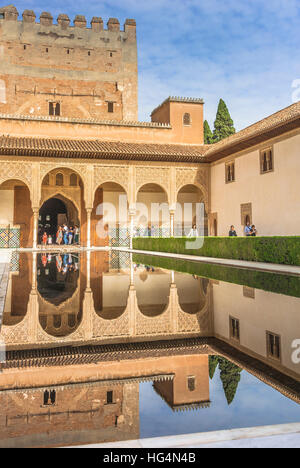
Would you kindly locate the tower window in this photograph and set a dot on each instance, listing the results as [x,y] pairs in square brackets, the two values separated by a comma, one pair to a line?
[191,381]
[47,50]
[54,109]
[49,398]
[110,107]
[187,119]
[1,15]
[109,398]
[230,172]
[25,46]
[266,161]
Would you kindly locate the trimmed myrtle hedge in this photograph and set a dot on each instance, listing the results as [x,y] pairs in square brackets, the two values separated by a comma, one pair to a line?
[280,284]
[280,250]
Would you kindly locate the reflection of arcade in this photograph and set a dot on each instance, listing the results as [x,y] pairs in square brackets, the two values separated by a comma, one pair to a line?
[15,303]
[58,286]
[105,282]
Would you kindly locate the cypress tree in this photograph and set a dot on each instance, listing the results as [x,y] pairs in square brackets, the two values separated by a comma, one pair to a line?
[230,376]
[208,136]
[224,126]
[213,364]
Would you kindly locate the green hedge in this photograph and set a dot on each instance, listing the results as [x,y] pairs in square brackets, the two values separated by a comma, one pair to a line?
[280,250]
[281,284]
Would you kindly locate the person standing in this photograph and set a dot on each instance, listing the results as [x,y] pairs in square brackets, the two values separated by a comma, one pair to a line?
[70,235]
[66,235]
[59,235]
[232,232]
[194,232]
[248,230]
[76,235]
[44,239]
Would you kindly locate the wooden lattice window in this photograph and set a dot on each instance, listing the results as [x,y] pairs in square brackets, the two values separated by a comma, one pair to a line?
[234,325]
[266,160]
[73,180]
[109,398]
[273,346]
[230,172]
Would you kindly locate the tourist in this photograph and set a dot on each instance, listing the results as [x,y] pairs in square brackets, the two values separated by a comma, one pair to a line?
[70,235]
[66,234]
[248,229]
[253,230]
[59,235]
[232,232]
[76,235]
[49,240]
[44,238]
[193,232]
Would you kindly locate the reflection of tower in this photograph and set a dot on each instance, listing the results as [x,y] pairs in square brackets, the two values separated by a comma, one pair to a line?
[190,387]
[72,414]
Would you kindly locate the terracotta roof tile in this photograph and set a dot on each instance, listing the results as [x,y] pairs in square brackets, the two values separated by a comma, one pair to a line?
[97,149]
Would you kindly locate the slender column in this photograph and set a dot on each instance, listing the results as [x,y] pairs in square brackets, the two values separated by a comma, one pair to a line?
[35,227]
[88,271]
[132,214]
[172,216]
[88,242]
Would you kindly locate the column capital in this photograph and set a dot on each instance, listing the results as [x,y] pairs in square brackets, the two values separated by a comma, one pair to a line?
[35,210]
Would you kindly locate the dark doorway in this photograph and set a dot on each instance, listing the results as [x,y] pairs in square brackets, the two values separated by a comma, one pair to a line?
[52,214]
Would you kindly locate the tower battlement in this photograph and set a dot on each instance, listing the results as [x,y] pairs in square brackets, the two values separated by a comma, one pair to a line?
[69,70]
[10,13]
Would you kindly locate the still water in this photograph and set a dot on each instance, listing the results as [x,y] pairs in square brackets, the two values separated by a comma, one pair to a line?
[105,347]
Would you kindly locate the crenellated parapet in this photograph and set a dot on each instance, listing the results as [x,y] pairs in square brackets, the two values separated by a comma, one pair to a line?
[10,13]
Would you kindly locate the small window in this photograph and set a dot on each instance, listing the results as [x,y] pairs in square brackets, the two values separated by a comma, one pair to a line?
[191,384]
[109,398]
[46,180]
[111,54]
[54,109]
[230,172]
[1,16]
[187,119]
[25,46]
[73,180]
[68,51]
[47,50]
[89,53]
[110,107]
[59,180]
[273,346]
[49,398]
[266,160]
[234,328]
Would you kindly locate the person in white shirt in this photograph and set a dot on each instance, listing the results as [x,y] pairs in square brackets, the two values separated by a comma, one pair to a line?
[193,232]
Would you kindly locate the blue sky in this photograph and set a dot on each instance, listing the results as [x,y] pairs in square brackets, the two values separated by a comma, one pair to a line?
[245,51]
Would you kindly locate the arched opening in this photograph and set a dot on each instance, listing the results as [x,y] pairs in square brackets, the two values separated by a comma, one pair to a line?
[16,215]
[152,289]
[62,203]
[153,214]
[108,276]
[58,212]
[192,292]
[60,297]
[190,211]
[109,218]
[18,291]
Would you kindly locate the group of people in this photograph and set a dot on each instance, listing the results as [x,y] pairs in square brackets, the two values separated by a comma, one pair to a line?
[65,236]
[64,264]
[250,231]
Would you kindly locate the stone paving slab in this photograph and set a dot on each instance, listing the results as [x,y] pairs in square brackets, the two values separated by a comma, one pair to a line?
[280,436]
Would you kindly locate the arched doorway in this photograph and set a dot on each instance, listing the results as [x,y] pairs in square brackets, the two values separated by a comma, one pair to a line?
[152,214]
[62,202]
[55,212]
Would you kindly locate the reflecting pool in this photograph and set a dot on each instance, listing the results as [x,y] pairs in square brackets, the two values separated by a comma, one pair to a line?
[103,346]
